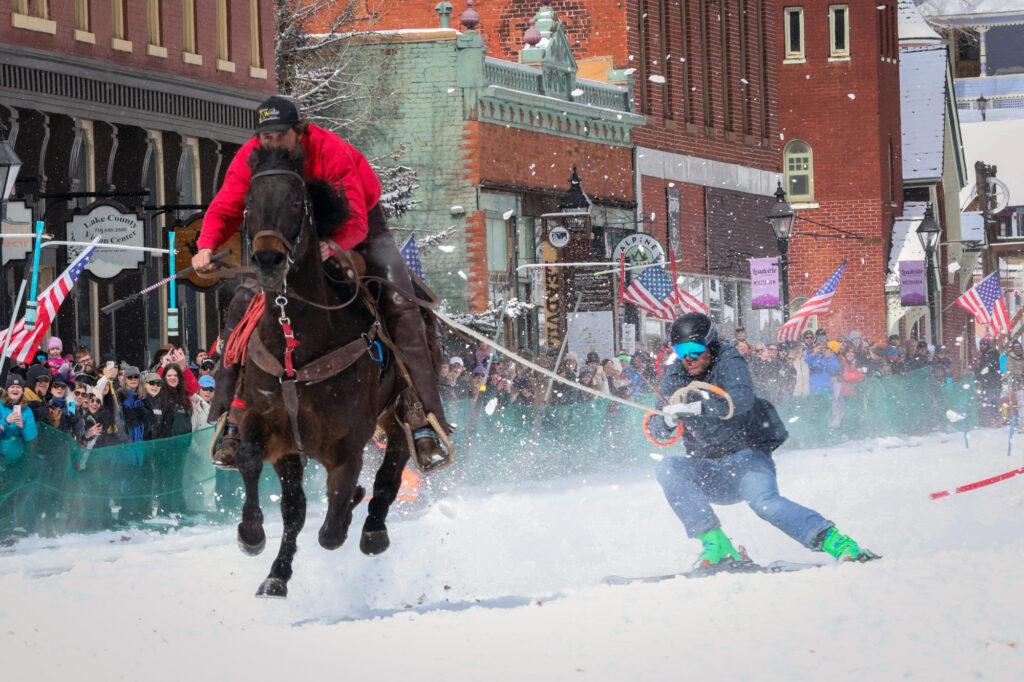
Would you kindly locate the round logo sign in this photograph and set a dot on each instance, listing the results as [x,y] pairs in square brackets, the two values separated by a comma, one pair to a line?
[639,249]
[558,237]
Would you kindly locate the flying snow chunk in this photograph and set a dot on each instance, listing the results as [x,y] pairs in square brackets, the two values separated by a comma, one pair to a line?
[508,214]
[578,92]
[655,78]
[953,267]
[657,457]
[954,417]
[491,405]
[794,418]
[851,95]
[445,248]
[463,275]
[451,90]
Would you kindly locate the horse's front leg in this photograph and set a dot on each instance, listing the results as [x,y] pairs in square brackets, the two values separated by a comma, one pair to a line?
[251,538]
[386,485]
[293,512]
[342,494]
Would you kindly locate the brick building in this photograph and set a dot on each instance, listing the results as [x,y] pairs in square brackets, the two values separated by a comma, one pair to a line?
[141,99]
[839,114]
[494,143]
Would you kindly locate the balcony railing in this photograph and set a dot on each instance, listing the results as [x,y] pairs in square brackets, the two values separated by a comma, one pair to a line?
[530,79]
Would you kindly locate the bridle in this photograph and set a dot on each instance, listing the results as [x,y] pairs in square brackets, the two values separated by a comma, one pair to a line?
[290,247]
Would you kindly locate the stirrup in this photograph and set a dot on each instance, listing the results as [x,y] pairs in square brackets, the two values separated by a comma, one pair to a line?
[215,450]
[442,437]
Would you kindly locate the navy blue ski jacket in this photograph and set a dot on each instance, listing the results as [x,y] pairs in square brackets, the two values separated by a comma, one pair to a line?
[754,424]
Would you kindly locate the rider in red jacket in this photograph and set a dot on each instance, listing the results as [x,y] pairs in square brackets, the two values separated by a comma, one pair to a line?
[330,158]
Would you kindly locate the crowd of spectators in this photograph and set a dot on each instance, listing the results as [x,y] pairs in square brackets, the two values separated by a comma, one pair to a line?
[104,404]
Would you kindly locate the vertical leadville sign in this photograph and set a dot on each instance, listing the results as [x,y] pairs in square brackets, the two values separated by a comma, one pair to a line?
[672,195]
[113,225]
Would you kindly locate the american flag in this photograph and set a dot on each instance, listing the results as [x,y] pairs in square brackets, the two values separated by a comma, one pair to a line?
[655,291]
[24,342]
[411,253]
[985,301]
[819,304]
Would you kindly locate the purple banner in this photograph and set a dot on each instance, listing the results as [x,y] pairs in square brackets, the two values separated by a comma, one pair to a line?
[913,287]
[764,279]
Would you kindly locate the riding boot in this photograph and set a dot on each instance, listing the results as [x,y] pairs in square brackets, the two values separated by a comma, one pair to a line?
[404,322]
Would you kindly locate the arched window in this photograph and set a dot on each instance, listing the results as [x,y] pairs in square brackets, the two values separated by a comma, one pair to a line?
[799,169]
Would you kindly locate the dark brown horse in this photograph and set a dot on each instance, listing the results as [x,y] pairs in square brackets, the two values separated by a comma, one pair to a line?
[335,413]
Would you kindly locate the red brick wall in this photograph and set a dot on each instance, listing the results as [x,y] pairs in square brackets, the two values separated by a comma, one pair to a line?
[693,251]
[739,140]
[63,13]
[595,28]
[522,158]
[847,111]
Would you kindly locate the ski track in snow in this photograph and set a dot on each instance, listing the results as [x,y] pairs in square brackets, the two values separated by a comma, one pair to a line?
[507,584]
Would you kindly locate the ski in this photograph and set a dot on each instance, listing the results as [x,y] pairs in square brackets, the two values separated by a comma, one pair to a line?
[739,567]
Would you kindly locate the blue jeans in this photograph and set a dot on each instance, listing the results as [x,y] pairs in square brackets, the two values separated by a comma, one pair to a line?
[691,485]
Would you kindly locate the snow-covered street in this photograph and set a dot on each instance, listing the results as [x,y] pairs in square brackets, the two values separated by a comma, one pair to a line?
[507,585]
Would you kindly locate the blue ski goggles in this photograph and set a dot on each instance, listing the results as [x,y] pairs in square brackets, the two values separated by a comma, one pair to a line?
[689,350]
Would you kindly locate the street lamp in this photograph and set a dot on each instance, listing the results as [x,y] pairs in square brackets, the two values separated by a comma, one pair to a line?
[782,219]
[982,105]
[10,165]
[929,233]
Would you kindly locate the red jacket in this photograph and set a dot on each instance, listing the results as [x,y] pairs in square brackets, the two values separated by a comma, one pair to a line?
[328,157]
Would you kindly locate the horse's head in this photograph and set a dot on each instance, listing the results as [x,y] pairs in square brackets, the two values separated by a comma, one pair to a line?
[286,216]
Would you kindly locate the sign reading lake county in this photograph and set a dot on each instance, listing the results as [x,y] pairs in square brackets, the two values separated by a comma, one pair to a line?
[112,227]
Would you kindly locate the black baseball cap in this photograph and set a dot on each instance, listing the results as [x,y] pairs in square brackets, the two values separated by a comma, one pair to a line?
[276,114]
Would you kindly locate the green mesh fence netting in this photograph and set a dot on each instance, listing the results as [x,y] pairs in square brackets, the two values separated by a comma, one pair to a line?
[58,486]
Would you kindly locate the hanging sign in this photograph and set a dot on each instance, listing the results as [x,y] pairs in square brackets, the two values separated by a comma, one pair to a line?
[558,236]
[764,283]
[673,220]
[17,219]
[913,286]
[639,249]
[112,226]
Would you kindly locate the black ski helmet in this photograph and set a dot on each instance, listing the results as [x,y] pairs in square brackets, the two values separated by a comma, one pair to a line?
[694,327]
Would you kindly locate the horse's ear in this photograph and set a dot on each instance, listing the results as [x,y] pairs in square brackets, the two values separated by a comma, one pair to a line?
[330,209]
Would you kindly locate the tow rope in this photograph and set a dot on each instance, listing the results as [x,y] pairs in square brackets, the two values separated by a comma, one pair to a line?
[238,342]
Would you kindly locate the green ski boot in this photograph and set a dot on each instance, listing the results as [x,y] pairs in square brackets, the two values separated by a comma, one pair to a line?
[842,547]
[719,554]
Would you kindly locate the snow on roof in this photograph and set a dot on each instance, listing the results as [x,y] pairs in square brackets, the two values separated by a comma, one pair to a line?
[905,244]
[945,8]
[993,143]
[923,110]
[912,25]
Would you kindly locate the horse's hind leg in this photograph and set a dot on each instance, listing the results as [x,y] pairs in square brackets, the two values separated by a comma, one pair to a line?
[293,512]
[251,537]
[386,485]
[342,494]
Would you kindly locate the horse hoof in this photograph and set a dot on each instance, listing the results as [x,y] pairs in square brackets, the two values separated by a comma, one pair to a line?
[251,546]
[358,495]
[328,541]
[273,587]
[374,542]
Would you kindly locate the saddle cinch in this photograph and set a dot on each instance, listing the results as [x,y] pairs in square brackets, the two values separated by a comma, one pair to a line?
[342,270]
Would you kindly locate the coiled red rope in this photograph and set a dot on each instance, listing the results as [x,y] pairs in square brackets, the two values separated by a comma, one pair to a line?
[234,349]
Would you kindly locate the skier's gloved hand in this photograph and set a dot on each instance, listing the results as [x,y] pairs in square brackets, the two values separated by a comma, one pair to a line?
[680,410]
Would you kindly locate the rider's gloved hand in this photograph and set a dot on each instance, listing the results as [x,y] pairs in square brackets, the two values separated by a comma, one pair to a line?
[680,410]
[327,249]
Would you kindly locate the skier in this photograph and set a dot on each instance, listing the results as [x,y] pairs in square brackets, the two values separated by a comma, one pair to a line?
[728,460]
[330,158]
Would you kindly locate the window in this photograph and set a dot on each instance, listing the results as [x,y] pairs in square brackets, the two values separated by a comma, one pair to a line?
[839,31]
[645,103]
[223,31]
[153,20]
[723,27]
[705,67]
[666,61]
[82,19]
[188,26]
[686,59]
[255,42]
[40,9]
[794,21]
[120,22]
[799,171]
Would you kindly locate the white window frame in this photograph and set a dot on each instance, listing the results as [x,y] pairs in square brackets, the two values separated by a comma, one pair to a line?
[786,153]
[83,20]
[189,40]
[119,22]
[255,39]
[833,51]
[794,56]
[154,24]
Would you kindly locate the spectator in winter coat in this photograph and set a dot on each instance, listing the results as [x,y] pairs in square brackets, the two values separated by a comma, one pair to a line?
[454,380]
[201,402]
[919,359]
[37,389]
[823,365]
[199,475]
[58,417]
[801,372]
[152,401]
[17,423]
[138,419]
[989,382]
[176,357]
[176,421]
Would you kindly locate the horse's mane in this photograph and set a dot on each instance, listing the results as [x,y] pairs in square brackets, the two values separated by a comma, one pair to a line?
[330,209]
